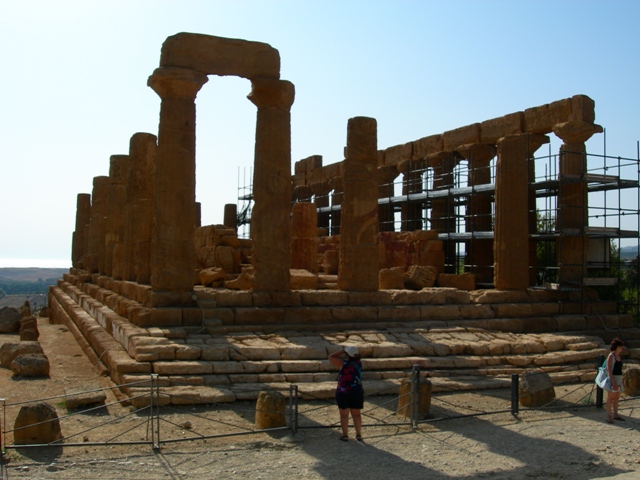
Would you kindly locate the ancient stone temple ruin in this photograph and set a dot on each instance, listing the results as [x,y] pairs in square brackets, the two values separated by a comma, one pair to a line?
[335,254]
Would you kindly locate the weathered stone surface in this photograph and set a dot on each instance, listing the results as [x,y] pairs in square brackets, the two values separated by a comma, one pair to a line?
[86,395]
[211,275]
[536,389]
[418,277]
[304,237]
[631,380]
[464,281]
[29,329]
[391,278]
[35,424]
[11,350]
[30,365]
[303,280]
[270,410]
[9,320]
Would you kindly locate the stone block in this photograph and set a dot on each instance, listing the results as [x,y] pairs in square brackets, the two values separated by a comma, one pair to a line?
[182,368]
[536,389]
[452,139]
[307,315]
[567,323]
[10,350]
[397,153]
[234,299]
[36,423]
[30,365]
[324,297]
[303,280]
[427,146]
[86,395]
[631,380]
[582,109]
[391,278]
[271,407]
[542,119]
[464,281]
[510,310]
[492,130]
[258,316]
[398,312]
[355,314]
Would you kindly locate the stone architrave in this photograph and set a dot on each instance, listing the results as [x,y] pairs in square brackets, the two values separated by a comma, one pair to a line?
[304,237]
[359,257]
[572,198]
[511,241]
[95,244]
[479,217]
[83,217]
[172,252]
[116,202]
[272,184]
[139,210]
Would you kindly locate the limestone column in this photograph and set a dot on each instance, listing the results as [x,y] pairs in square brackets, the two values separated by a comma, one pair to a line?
[270,222]
[511,239]
[304,236]
[386,178]
[95,247]
[139,209]
[411,213]
[83,217]
[231,216]
[573,245]
[359,256]
[479,251]
[119,166]
[172,253]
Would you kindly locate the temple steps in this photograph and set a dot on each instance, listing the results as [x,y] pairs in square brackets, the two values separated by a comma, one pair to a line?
[211,360]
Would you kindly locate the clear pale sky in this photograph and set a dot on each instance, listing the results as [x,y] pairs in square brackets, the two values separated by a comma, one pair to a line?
[74,73]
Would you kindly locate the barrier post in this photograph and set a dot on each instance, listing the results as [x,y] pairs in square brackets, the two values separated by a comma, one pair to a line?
[415,396]
[3,426]
[599,392]
[515,393]
[156,379]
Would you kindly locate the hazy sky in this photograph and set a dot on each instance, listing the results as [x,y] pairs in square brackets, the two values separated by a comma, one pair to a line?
[74,74]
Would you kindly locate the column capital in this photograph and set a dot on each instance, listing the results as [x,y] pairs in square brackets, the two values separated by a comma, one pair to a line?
[533,140]
[576,131]
[174,82]
[477,152]
[271,93]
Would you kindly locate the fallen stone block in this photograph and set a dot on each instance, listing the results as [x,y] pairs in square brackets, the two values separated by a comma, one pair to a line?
[30,365]
[36,424]
[87,395]
[11,350]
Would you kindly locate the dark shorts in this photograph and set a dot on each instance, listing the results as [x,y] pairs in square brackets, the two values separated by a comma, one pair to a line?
[352,399]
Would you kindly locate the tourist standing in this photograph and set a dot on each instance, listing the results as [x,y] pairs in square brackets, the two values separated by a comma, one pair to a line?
[614,370]
[349,393]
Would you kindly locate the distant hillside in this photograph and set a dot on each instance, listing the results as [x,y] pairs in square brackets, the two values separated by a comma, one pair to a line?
[31,274]
[628,252]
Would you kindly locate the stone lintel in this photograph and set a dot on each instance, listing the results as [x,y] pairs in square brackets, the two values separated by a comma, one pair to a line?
[459,136]
[426,146]
[398,153]
[220,56]
[476,152]
[496,128]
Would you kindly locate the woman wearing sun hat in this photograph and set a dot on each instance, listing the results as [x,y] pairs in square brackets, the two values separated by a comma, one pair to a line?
[349,394]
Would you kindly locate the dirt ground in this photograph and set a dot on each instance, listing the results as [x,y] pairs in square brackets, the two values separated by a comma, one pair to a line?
[571,441]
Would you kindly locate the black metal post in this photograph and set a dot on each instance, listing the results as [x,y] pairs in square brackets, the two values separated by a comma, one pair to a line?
[515,394]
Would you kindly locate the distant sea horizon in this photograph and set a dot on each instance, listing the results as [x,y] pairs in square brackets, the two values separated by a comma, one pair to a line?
[34,263]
